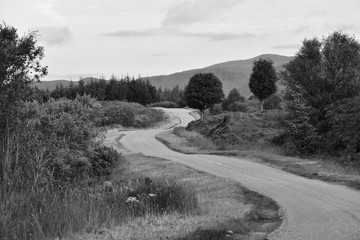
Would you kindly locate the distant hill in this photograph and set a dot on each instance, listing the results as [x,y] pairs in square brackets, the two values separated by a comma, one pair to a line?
[51,85]
[232,74]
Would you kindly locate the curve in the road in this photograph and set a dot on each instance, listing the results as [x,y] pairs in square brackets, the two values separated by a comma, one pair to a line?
[313,210]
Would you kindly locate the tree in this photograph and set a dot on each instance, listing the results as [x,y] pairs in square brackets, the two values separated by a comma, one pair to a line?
[203,91]
[263,80]
[233,97]
[322,73]
[19,66]
[321,77]
[20,62]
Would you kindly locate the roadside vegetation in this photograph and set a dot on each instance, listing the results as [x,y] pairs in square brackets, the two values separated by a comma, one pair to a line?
[314,115]
[224,210]
[55,171]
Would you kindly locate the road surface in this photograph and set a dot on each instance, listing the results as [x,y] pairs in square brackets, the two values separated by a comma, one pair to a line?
[313,210]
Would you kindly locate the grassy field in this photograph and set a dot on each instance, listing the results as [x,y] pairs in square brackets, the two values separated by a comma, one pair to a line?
[226,210]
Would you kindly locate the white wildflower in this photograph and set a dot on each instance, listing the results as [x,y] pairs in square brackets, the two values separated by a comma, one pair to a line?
[132,200]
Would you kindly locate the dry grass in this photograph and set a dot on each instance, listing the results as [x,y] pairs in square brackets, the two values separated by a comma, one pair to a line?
[195,139]
[224,206]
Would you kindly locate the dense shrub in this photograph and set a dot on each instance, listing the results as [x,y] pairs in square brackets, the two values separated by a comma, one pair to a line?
[165,104]
[103,160]
[237,107]
[344,124]
[234,96]
[272,102]
[127,114]
[216,109]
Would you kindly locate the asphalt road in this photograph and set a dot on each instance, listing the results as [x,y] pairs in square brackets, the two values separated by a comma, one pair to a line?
[312,209]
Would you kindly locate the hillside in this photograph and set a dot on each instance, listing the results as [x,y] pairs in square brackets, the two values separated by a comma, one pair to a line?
[51,85]
[232,74]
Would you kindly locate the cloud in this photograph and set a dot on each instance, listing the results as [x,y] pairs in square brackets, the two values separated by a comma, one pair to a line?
[346,27]
[155,32]
[134,33]
[55,35]
[287,46]
[197,11]
[300,29]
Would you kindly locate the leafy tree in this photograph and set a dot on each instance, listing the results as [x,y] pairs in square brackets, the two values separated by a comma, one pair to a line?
[19,66]
[203,91]
[322,73]
[263,80]
[233,97]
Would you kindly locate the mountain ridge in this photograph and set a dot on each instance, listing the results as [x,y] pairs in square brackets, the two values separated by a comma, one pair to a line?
[235,73]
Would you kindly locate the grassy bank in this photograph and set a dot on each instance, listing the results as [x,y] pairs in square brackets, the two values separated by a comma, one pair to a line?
[226,210]
[253,144]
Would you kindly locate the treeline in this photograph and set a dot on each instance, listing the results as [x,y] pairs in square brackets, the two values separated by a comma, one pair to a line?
[126,88]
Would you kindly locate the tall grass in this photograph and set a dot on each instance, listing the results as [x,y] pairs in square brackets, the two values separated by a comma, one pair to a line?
[43,213]
[195,139]
[52,167]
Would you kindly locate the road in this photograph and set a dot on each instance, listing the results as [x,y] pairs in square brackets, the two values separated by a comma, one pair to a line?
[312,209]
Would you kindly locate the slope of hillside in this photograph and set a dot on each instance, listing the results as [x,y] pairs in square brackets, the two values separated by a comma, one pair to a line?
[51,85]
[232,74]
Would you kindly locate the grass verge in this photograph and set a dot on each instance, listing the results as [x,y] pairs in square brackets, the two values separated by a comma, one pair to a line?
[226,210]
[326,170]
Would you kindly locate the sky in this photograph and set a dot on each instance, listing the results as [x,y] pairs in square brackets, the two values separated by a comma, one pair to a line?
[155,37]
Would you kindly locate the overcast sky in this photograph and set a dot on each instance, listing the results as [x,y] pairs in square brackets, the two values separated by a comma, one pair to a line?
[154,37]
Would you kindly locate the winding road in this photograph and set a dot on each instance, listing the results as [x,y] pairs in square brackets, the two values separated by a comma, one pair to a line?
[312,209]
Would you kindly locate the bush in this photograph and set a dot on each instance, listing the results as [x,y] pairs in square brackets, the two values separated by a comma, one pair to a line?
[165,104]
[103,160]
[195,138]
[238,107]
[272,102]
[343,137]
[216,109]
[302,135]
[127,115]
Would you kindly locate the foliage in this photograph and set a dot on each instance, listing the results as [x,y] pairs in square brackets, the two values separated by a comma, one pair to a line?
[175,95]
[116,89]
[234,96]
[301,135]
[194,138]
[238,107]
[322,73]
[344,134]
[20,65]
[20,58]
[127,114]
[263,79]
[216,109]
[272,102]
[203,91]
[165,104]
